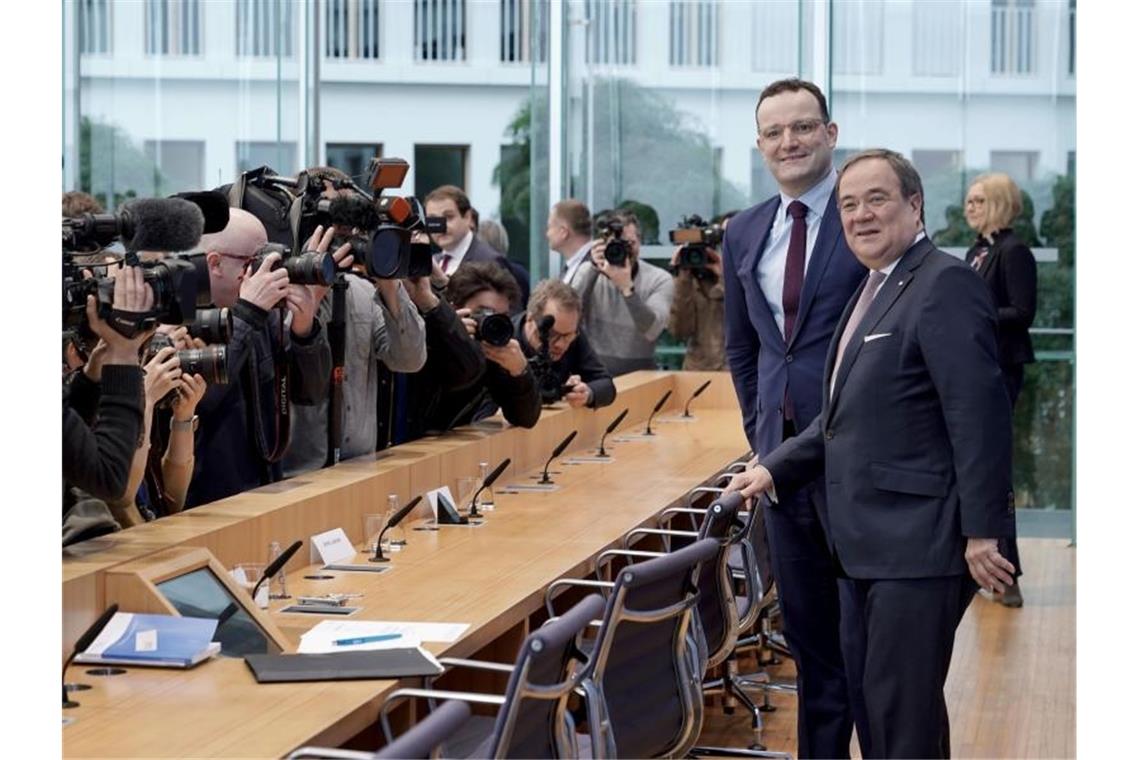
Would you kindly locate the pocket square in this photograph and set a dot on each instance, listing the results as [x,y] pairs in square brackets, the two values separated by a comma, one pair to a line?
[875,336]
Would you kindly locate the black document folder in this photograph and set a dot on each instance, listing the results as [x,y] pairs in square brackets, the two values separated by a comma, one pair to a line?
[341,666]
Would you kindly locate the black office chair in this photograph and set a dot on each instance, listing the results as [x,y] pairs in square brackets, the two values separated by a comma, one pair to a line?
[532,720]
[643,691]
[420,742]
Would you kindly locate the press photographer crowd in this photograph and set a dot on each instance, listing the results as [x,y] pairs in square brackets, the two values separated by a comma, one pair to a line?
[218,341]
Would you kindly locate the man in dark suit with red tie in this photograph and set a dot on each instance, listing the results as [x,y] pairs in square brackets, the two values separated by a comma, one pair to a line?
[787,275]
[914,445]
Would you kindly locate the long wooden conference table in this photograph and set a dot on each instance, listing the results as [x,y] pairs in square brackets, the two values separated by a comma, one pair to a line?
[491,577]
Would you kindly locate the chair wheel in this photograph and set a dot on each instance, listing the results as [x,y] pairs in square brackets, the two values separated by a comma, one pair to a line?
[767,708]
[729,710]
[758,748]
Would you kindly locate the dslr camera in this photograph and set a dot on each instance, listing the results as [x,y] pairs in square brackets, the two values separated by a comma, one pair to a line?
[492,327]
[618,251]
[209,362]
[310,268]
[550,385]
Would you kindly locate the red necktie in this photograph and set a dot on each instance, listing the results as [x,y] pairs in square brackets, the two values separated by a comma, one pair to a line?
[794,266]
[443,262]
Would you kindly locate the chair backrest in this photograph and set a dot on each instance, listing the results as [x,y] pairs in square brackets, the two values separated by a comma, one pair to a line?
[760,581]
[645,672]
[422,739]
[531,722]
[716,607]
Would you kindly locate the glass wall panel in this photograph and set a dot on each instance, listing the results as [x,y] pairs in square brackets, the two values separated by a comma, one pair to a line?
[966,88]
[177,94]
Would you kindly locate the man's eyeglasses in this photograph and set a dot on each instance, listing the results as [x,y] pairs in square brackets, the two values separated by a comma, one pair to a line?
[567,338]
[801,128]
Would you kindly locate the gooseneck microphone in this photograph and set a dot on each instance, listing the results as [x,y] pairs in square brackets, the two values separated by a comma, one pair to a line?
[492,476]
[656,409]
[696,393]
[393,521]
[275,566]
[609,429]
[82,643]
[545,479]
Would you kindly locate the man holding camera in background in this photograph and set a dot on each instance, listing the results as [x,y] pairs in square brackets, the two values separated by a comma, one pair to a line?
[697,313]
[624,310]
[563,361]
[381,325]
[273,353]
[484,295]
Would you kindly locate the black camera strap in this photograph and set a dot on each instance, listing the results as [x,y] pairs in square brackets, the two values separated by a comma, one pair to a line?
[337,334]
[280,399]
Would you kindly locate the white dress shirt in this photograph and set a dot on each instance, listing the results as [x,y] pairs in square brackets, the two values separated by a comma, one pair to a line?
[770,269]
[575,261]
[457,253]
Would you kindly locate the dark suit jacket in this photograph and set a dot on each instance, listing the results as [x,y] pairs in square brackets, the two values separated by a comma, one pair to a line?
[916,443]
[481,250]
[1011,273]
[762,363]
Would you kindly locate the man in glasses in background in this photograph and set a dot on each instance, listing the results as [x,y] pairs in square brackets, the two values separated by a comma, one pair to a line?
[788,274]
[582,375]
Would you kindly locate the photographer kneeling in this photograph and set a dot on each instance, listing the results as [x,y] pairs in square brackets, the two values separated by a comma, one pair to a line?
[560,355]
[484,294]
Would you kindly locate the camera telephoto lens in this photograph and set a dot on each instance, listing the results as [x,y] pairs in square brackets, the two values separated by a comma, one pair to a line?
[311,268]
[209,362]
[212,325]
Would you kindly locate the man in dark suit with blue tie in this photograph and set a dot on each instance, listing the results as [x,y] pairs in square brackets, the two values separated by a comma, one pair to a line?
[787,275]
[914,444]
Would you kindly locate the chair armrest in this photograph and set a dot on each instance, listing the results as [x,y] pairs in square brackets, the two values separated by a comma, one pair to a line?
[693,493]
[570,582]
[329,753]
[432,695]
[657,532]
[458,662]
[736,467]
[608,554]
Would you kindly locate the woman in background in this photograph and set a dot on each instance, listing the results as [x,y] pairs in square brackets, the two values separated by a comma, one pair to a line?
[1009,269]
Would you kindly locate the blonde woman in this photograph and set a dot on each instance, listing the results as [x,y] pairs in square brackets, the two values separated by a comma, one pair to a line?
[1009,269]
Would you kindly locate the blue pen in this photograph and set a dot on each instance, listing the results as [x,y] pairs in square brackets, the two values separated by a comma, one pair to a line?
[365,639]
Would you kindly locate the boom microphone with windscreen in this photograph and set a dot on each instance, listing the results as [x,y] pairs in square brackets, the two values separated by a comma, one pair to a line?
[146,224]
[215,208]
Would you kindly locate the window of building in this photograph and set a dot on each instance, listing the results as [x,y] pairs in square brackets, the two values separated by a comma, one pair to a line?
[440,165]
[694,33]
[352,29]
[281,157]
[1012,37]
[1021,165]
[937,38]
[264,28]
[776,24]
[94,27]
[1071,164]
[353,159]
[181,162]
[522,30]
[173,27]
[611,32]
[857,30]
[932,162]
[441,30]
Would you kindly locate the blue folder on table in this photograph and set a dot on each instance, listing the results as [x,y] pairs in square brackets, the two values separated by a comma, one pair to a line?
[156,640]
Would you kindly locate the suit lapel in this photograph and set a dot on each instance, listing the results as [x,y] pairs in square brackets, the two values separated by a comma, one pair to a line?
[762,318]
[889,293]
[833,346]
[990,260]
[825,242]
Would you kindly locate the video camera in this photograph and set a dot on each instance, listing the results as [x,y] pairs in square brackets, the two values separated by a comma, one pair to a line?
[291,209]
[695,235]
[610,228]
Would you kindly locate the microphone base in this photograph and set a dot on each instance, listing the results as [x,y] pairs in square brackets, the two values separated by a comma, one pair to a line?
[70,704]
[474,514]
[379,559]
[545,481]
[76,686]
[649,431]
[601,452]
